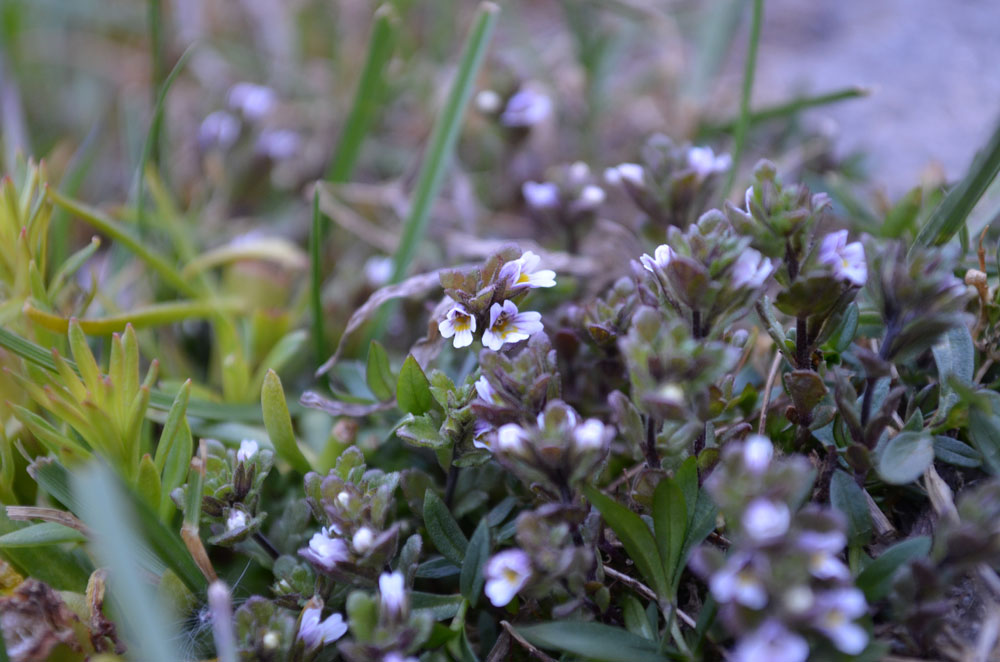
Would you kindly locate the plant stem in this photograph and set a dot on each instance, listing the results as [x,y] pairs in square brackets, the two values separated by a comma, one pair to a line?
[801,343]
[652,457]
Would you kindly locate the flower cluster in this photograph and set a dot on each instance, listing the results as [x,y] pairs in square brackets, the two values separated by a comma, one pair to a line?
[384,628]
[783,582]
[485,300]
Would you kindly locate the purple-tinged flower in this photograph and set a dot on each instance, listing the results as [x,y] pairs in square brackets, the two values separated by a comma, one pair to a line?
[590,435]
[837,610]
[526,109]
[524,272]
[278,144]
[772,642]
[704,162]
[847,260]
[486,392]
[506,574]
[511,439]
[316,633]
[248,448]
[378,270]
[461,324]
[362,539]
[324,551]
[218,130]
[631,174]
[659,260]
[751,269]
[507,325]
[481,435]
[540,195]
[392,593]
[822,547]
[765,521]
[252,100]
[395,656]
[736,582]
[591,197]
[757,453]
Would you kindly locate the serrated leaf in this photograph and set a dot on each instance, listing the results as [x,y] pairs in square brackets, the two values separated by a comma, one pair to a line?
[670,522]
[421,431]
[848,497]
[443,530]
[904,457]
[876,579]
[378,374]
[278,422]
[592,641]
[413,391]
[635,536]
[474,567]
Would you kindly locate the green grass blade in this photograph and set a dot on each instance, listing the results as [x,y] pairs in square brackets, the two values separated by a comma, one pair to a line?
[116,544]
[954,210]
[743,124]
[316,279]
[366,98]
[788,108]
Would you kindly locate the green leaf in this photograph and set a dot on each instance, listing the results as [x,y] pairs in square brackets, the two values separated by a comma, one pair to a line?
[636,621]
[57,567]
[955,357]
[956,452]
[413,391]
[278,422]
[843,335]
[635,536]
[443,530]
[848,497]
[984,434]
[147,484]
[172,426]
[378,374]
[592,641]
[176,468]
[876,579]
[421,431]
[40,535]
[670,522]
[904,457]
[474,567]
[439,607]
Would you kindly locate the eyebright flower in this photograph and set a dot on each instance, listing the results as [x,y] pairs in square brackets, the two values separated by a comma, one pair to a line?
[765,520]
[837,610]
[847,260]
[526,109]
[486,392]
[628,173]
[460,323]
[661,258]
[248,448]
[218,130]
[822,547]
[362,540]
[757,453]
[237,520]
[751,269]
[510,439]
[507,325]
[325,551]
[736,582]
[704,161]
[590,198]
[488,102]
[506,574]
[522,272]
[392,593]
[590,434]
[316,633]
[544,195]
[397,657]
[481,436]
[278,144]
[254,101]
[773,642]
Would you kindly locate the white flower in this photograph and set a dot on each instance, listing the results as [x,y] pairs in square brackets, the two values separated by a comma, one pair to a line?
[751,269]
[590,435]
[254,101]
[736,582]
[522,272]
[757,453]
[510,439]
[248,448]
[847,260]
[540,195]
[271,640]
[488,102]
[765,520]
[590,198]
[378,270]
[772,642]
[704,161]
[481,435]
[219,129]
[838,609]
[798,599]
[506,574]
[579,172]
[315,632]
[362,540]
[660,259]
[631,174]
[459,323]
[526,109]
[278,144]
[237,520]
[325,551]
[822,547]
[344,499]
[397,657]
[392,592]
[507,325]
[486,392]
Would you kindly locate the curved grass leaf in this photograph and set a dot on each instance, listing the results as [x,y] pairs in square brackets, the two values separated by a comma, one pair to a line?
[278,422]
[592,641]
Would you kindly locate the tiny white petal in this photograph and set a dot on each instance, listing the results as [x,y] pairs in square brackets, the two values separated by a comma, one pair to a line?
[506,573]
[392,592]
[757,453]
[488,102]
[590,435]
[362,540]
[541,195]
[237,520]
[765,520]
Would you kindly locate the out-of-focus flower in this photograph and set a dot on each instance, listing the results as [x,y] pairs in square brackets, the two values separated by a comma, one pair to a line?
[392,593]
[526,109]
[628,173]
[757,453]
[765,520]
[395,656]
[252,100]
[522,272]
[458,322]
[325,551]
[278,144]
[590,435]
[362,539]
[837,610]
[773,642]
[660,258]
[540,195]
[237,520]
[378,270]
[507,325]
[847,260]
[705,163]
[506,574]
[316,633]
[248,448]
[486,392]
[751,269]
[736,582]
[591,197]
[510,439]
[822,546]
[481,435]
[488,102]
[219,130]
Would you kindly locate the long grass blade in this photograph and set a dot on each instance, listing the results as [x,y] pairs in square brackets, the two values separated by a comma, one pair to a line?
[743,124]
[157,314]
[788,108]
[316,279]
